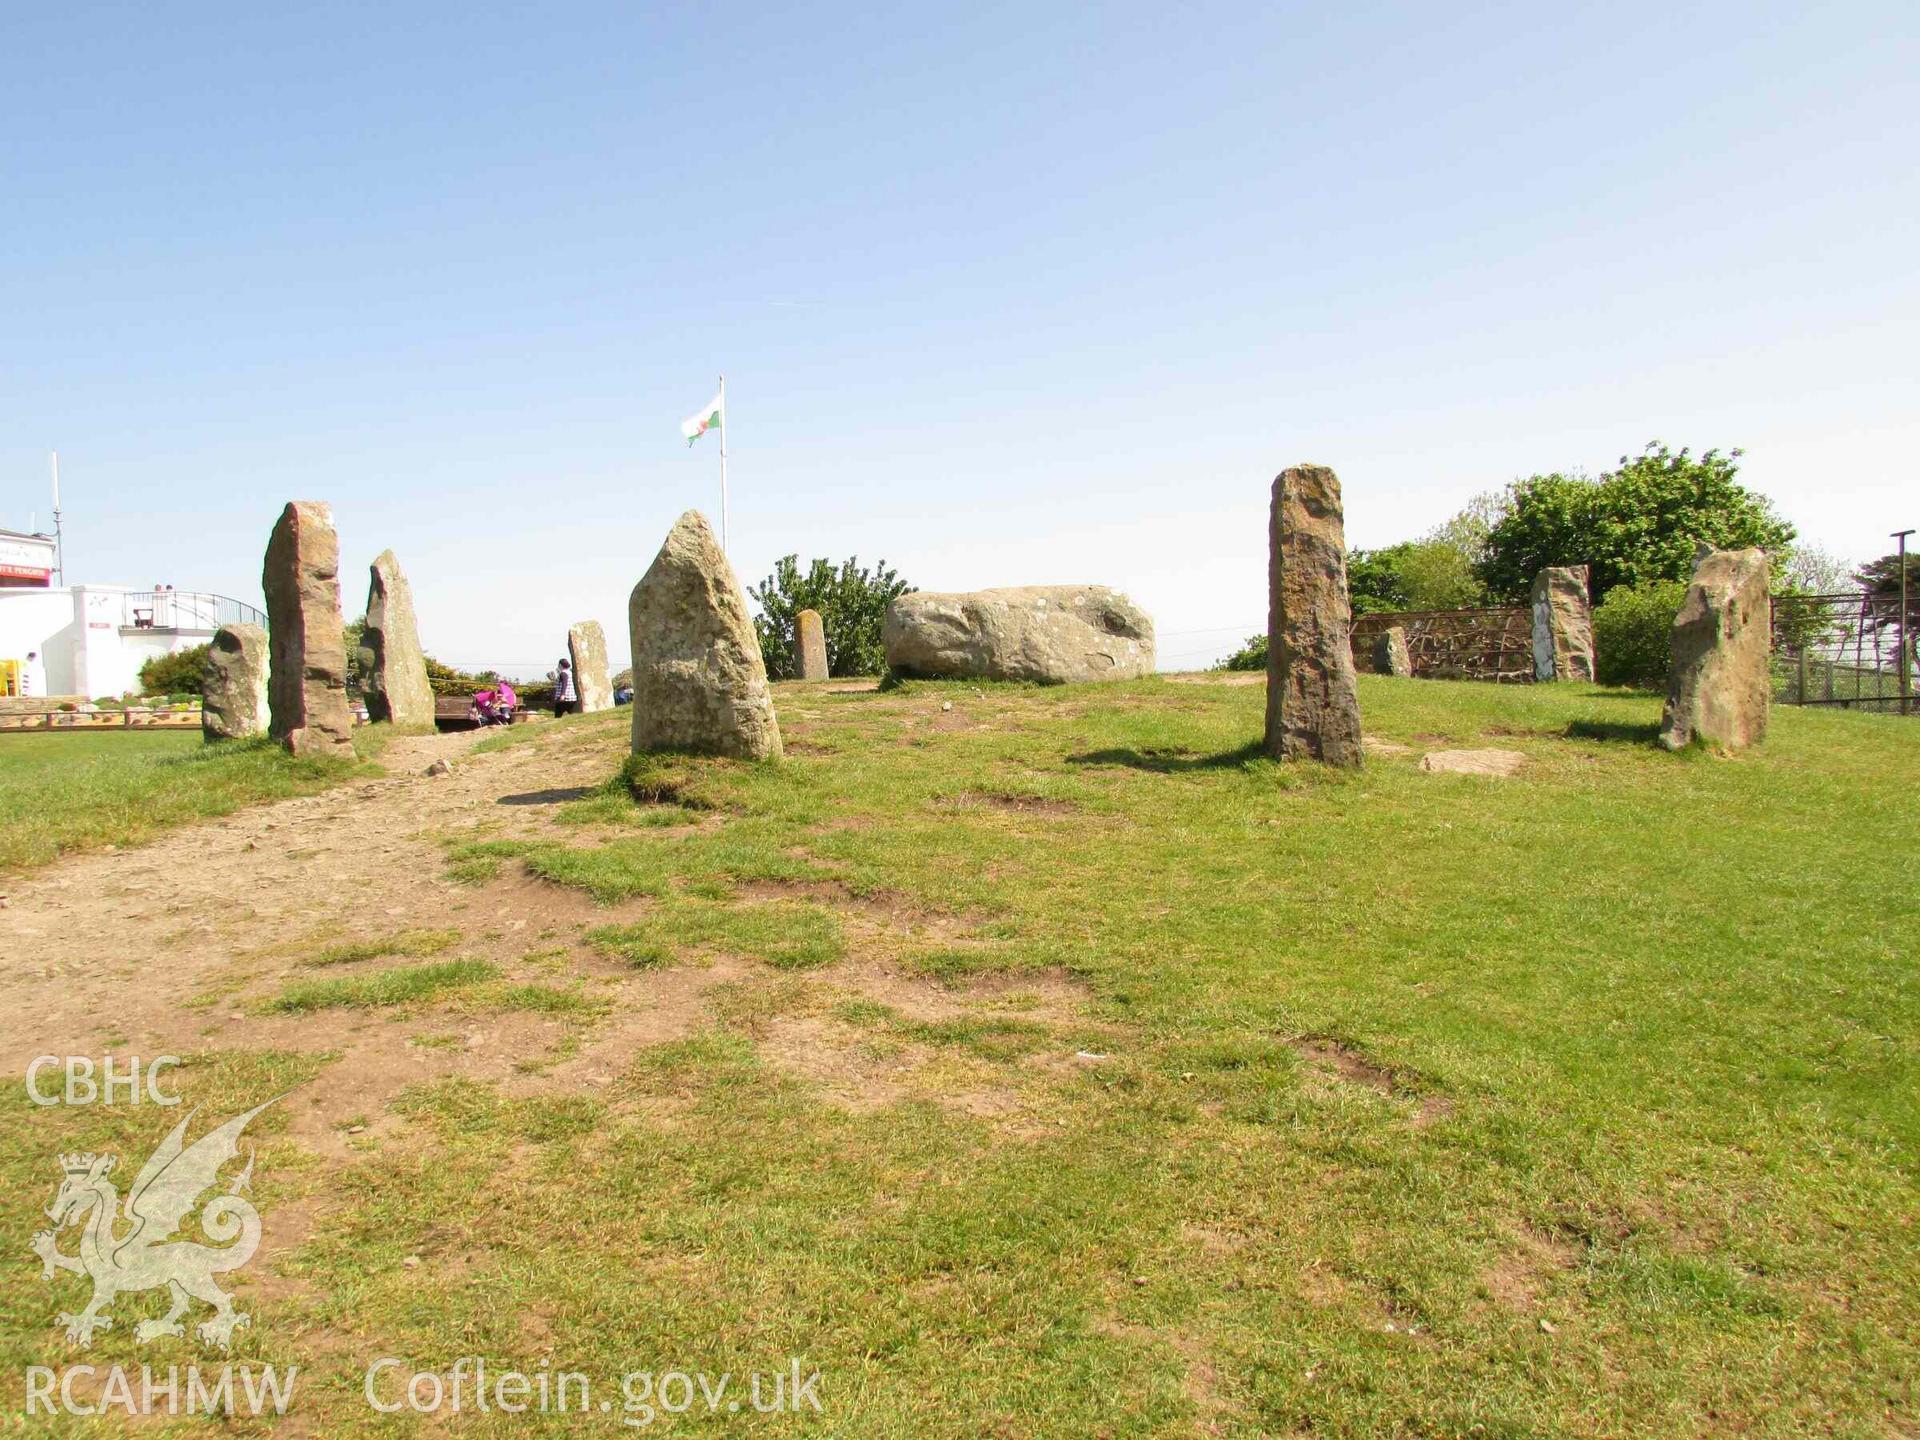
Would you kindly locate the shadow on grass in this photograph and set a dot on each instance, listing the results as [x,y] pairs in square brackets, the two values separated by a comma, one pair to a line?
[546,797]
[1167,761]
[1648,734]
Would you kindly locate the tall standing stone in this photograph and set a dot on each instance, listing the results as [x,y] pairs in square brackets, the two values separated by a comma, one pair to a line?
[233,689]
[587,649]
[307,641]
[699,680]
[1313,704]
[1562,624]
[398,690]
[813,645]
[1720,684]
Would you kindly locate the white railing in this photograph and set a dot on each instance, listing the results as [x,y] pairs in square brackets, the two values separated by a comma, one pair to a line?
[186,610]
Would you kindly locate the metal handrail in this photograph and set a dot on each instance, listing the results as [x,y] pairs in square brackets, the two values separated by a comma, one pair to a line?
[187,610]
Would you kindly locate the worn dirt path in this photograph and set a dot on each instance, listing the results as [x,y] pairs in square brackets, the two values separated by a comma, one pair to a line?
[122,950]
[170,947]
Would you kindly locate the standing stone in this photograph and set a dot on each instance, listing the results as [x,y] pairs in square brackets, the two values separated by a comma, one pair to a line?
[1390,653]
[699,681]
[233,691]
[813,645]
[1313,706]
[307,642]
[587,648]
[390,655]
[1562,624]
[1719,687]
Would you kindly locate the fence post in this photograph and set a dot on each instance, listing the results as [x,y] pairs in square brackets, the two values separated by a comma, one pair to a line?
[1906,656]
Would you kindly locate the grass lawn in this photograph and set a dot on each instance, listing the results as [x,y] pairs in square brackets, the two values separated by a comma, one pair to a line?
[60,793]
[1584,1103]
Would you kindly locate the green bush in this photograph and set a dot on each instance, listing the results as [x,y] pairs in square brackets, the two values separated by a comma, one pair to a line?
[852,602]
[1633,633]
[181,673]
[1635,524]
[445,680]
[1435,573]
[1250,656]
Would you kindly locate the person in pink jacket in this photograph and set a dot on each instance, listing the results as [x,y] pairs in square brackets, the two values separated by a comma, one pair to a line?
[494,705]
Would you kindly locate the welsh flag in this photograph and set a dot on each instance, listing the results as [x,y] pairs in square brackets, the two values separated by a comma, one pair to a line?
[702,420]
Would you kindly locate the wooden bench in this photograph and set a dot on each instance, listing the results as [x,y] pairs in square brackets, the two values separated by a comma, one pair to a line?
[454,712]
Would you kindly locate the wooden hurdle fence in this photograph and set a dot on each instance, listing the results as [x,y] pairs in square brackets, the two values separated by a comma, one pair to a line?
[1495,644]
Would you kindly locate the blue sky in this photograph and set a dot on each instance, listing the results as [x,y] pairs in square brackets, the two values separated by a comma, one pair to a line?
[1004,294]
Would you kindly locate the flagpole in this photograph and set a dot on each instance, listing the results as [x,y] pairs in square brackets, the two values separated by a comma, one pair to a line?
[723,463]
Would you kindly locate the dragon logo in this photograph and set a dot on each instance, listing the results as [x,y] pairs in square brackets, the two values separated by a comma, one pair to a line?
[148,1251]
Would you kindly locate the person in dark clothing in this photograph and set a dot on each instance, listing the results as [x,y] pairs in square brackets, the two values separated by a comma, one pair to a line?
[566,698]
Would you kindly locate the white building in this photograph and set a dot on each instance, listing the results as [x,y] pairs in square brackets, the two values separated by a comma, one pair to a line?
[27,559]
[93,639]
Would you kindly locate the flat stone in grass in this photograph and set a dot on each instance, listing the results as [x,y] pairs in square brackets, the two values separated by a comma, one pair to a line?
[307,643]
[395,666]
[233,700]
[1562,624]
[699,680]
[812,637]
[1501,764]
[1719,687]
[587,649]
[1313,705]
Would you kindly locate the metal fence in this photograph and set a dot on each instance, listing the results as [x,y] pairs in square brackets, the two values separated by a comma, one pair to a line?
[1849,650]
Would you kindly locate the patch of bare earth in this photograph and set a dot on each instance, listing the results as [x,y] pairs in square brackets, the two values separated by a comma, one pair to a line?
[154,946]
[882,922]
[867,1067]
[1223,677]
[1532,1262]
[1337,1059]
[1015,803]
[1498,764]
[1385,749]
[1200,1379]
[179,946]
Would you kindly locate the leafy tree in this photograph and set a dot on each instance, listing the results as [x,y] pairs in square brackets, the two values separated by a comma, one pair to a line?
[356,637]
[1377,581]
[1633,633]
[852,602]
[1810,570]
[1434,573]
[1638,523]
[1439,575]
[1882,577]
[1250,656]
[1469,531]
[181,673]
